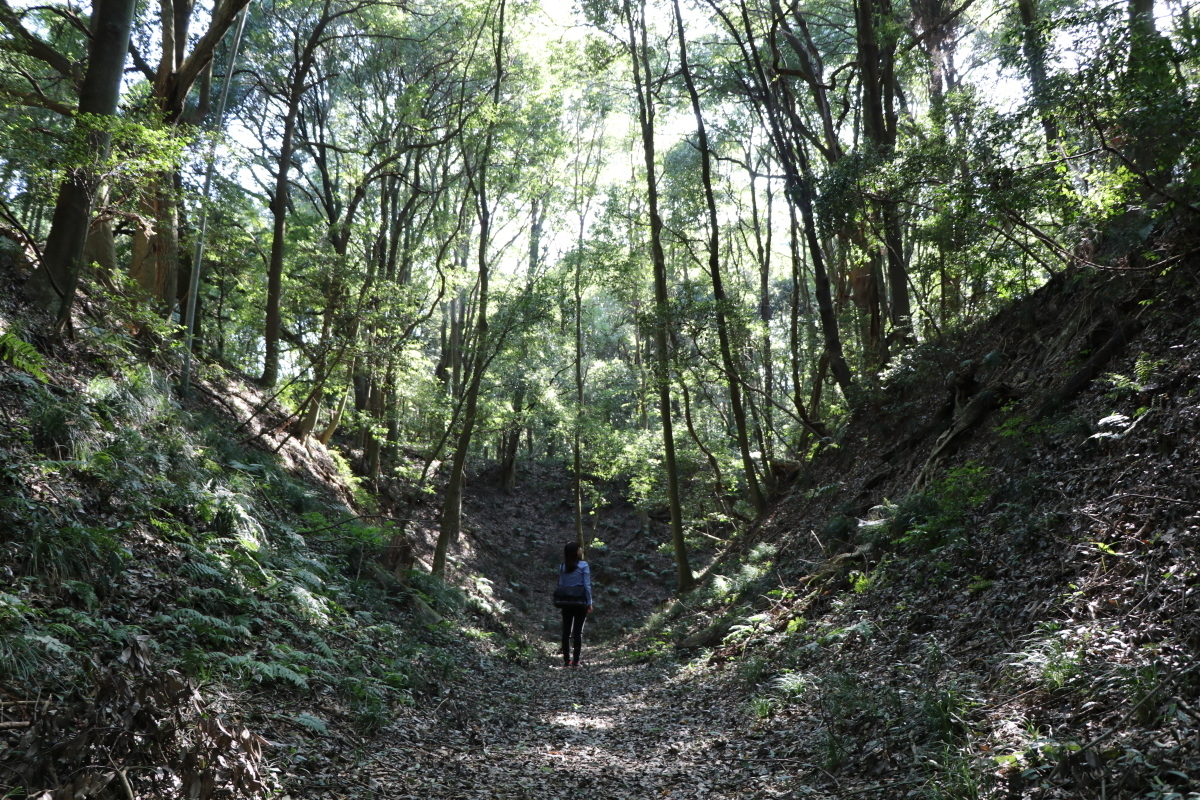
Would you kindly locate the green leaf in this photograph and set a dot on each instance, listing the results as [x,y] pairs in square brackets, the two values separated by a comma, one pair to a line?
[22,355]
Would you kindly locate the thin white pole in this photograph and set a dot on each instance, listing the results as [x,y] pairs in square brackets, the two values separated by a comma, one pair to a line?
[185,375]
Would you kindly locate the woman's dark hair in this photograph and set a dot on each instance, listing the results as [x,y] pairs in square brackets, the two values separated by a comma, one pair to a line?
[571,555]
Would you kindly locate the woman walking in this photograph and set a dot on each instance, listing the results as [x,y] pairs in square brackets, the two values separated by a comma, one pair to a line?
[574,597]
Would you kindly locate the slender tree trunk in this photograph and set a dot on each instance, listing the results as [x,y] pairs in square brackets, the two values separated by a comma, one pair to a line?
[732,371]
[794,321]
[1151,79]
[451,523]
[55,282]
[577,448]
[510,443]
[297,86]
[374,444]
[456,327]
[279,211]
[783,123]
[639,53]
[876,57]
[713,463]
[335,420]
[765,313]
[584,186]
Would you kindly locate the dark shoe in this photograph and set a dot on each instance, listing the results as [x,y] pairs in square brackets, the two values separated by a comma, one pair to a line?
[574,665]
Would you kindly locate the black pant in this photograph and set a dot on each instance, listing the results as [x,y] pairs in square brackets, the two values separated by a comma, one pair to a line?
[573,619]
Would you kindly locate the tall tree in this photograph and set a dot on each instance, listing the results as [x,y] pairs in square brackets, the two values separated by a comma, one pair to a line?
[777,107]
[732,368]
[155,256]
[477,174]
[1033,45]
[309,29]
[589,121]
[875,33]
[638,47]
[112,22]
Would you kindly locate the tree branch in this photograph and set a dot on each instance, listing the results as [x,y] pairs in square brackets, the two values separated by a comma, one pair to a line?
[38,100]
[25,42]
[140,63]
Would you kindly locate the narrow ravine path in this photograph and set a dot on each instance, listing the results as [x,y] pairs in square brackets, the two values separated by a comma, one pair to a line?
[532,730]
[611,729]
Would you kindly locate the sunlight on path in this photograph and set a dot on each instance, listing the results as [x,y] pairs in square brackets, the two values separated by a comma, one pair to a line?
[608,730]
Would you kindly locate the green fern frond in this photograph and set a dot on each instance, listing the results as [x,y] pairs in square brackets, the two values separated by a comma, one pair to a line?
[308,580]
[196,571]
[273,670]
[22,355]
[199,622]
[259,671]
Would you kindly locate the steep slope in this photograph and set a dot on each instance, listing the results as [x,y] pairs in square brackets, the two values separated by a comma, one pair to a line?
[191,603]
[986,585]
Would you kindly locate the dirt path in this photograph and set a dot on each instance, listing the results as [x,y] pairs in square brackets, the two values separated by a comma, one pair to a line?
[534,730]
[610,729]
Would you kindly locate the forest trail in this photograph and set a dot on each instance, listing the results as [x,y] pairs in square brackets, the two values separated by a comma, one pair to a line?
[614,728]
[611,729]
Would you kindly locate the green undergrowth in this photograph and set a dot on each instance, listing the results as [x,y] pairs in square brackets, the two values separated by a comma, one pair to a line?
[782,628]
[784,625]
[976,637]
[129,523]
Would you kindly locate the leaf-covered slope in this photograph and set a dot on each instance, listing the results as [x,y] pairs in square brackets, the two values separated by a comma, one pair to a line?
[986,584]
[187,604]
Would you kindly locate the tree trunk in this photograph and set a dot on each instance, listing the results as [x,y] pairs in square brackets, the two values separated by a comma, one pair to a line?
[794,309]
[1033,47]
[718,480]
[55,282]
[510,443]
[155,262]
[783,123]
[732,372]
[577,448]
[374,443]
[639,53]
[334,421]
[876,57]
[864,291]
[100,250]
[765,313]
[451,523]
[279,210]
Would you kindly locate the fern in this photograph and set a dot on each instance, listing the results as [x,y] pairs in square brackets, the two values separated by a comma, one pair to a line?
[312,723]
[323,648]
[22,355]
[250,668]
[63,631]
[196,571]
[189,621]
[309,660]
[308,580]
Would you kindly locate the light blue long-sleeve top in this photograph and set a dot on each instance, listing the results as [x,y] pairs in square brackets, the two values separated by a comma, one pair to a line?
[580,576]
